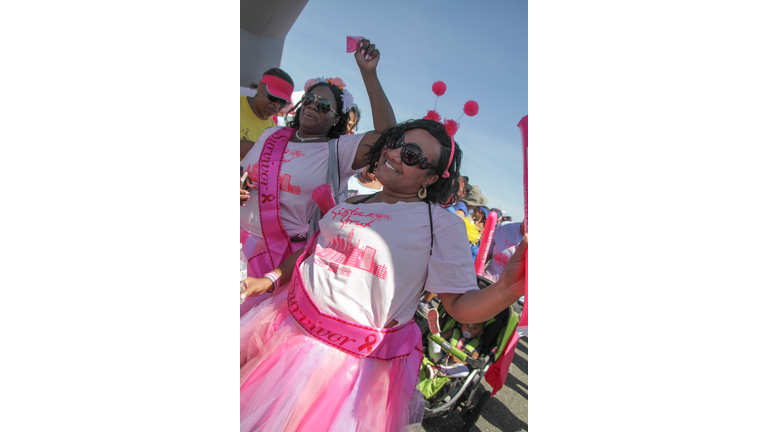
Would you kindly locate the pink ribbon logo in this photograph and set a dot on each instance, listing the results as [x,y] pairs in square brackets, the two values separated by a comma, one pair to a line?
[370,340]
[267,198]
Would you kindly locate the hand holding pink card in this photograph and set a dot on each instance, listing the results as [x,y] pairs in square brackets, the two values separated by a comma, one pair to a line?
[353,42]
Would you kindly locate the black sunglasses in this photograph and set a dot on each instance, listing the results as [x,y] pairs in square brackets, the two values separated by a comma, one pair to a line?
[411,153]
[322,104]
[277,100]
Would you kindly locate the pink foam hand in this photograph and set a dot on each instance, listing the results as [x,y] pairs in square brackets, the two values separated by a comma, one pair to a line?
[485,243]
[323,196]
[353,42]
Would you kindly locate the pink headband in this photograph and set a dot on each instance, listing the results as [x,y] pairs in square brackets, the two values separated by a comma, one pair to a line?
[278,87]
[450,159]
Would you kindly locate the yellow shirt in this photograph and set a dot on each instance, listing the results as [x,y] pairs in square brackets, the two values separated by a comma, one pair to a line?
[251,126]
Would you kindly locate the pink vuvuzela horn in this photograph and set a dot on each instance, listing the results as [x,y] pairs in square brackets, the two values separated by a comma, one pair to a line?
[323,196]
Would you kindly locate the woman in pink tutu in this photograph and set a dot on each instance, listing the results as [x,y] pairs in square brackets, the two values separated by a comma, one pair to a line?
[286,164]
[335,347]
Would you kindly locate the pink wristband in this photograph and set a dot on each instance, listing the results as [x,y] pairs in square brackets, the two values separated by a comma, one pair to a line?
[272,276]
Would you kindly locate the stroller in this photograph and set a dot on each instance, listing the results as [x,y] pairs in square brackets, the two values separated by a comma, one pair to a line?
[445,394]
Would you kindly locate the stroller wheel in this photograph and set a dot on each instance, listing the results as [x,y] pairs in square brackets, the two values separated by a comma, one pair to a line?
[474,413]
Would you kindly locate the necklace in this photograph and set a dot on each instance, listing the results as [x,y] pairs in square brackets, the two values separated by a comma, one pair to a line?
[307,139]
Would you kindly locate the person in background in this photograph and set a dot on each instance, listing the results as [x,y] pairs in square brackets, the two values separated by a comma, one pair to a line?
[499,214]
[354,119]
[479,216]
[475,198]
[459,208]
[364,182]
[505,240]
[273,93]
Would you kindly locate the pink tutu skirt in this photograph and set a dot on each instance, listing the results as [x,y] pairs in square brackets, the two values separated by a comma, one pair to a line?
[290,381]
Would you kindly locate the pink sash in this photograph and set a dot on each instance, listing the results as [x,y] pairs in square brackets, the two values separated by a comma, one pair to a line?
[264,256]
[278,244]
[352,338]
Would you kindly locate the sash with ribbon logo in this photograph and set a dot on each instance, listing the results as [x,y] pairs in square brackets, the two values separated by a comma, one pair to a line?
[278,243]
[400,342]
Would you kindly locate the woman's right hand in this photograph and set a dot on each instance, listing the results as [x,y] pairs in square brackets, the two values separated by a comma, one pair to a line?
[245,195]
[367,56]
[255,286]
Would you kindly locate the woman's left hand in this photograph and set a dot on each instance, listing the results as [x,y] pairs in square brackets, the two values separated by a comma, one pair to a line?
[513,275]
[367,56]
[255,286]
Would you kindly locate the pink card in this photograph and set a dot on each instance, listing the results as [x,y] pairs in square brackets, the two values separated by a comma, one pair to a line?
[353,42]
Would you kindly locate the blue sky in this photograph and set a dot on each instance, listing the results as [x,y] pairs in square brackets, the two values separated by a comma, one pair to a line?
[479,50]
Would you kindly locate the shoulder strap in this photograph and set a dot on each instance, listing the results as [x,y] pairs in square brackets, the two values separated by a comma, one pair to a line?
[332,178]
[364,198]
[431,229]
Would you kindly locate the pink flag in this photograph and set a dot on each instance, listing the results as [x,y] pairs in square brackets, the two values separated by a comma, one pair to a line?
[497,373]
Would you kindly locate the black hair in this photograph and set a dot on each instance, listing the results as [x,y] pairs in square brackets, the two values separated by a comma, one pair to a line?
[443,189]
[498,213]
[467,186]
[340,127]
[276,72]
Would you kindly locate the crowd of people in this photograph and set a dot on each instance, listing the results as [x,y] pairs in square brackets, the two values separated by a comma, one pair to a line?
[345,233]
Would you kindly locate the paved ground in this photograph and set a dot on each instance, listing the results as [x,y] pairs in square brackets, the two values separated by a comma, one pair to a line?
[507,411]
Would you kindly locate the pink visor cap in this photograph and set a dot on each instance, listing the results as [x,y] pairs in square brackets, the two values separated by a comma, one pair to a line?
[278,87]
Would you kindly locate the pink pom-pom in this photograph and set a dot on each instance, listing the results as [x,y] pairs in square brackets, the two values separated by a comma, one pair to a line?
[471,108]
[451,127]
[432,115]
[439,88]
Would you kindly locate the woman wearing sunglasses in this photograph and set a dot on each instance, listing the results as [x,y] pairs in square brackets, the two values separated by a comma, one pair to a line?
[335,347]
[285,165]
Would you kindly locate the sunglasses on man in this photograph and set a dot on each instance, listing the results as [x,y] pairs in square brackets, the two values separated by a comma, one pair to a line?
[411,153]
[322,104]
[274,99]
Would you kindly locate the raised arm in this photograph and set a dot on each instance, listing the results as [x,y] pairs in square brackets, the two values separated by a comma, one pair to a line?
[482,305]
[367,57]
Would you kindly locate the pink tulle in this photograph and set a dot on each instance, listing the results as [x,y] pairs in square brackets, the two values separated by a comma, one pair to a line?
[291,382]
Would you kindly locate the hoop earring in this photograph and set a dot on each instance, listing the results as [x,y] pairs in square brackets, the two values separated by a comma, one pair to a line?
[422,192]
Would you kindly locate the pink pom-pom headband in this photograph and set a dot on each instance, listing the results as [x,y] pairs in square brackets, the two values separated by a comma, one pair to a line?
[451,126]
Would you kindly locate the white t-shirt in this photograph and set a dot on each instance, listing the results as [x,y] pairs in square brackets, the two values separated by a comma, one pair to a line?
[372,260]
[305,167]
[354,185]
[503,246]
